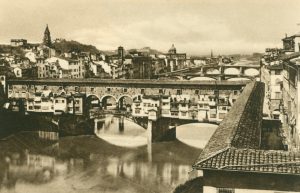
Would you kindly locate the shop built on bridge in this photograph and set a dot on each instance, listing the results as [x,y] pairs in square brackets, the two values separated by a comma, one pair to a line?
[140,100]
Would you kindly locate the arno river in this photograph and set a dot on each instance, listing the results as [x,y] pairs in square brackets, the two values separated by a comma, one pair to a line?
[112,161]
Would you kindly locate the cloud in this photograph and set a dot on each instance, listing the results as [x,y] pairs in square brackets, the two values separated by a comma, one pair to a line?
[194,26]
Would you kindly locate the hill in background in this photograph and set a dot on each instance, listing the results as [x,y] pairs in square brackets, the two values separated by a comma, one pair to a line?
[65,46]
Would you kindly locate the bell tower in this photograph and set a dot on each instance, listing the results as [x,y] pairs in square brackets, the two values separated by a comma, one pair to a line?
[47,37]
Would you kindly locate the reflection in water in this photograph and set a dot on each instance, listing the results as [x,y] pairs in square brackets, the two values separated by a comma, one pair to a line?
[112,129]
[92,164]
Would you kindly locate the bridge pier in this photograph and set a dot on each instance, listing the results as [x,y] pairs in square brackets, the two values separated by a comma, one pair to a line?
[201,71]
[160,130]
[241,71]
[149,140]
[95,125]
[96,120]
[121,124]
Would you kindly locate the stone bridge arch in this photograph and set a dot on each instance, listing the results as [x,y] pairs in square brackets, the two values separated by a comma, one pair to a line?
[124,104]
[232,71]
[239,79]
[211,70]
[251,72]
[195,134]
[92,101]
[109,101]
[202,78]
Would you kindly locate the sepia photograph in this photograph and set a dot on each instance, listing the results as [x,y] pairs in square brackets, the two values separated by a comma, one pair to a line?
[149,96]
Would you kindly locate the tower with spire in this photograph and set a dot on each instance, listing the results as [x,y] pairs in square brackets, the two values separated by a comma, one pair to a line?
[47,37]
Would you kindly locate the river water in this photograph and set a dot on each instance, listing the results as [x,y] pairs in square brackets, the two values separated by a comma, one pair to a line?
[115,160]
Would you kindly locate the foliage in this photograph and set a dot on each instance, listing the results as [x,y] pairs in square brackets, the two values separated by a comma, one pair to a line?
[12,50]
[74,46]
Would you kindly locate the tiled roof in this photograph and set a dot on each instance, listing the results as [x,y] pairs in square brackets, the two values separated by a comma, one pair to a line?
[254,161]
[241,126]
[235,145]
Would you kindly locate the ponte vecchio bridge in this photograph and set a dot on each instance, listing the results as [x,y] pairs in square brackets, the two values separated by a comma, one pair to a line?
[151,100]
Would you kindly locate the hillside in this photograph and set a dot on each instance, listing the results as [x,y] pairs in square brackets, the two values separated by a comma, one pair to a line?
[74,46]
[12,50]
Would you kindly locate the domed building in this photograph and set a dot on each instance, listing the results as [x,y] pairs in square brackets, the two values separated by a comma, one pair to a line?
[174,60]
[172,50]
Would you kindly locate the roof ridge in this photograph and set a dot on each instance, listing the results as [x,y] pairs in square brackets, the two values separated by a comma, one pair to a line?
[211,156]
[234,133]
[233,130]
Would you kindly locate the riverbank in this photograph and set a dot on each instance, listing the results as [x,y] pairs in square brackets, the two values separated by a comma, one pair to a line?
[65,124]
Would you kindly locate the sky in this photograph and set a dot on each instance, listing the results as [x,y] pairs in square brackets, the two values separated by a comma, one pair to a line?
[195,26]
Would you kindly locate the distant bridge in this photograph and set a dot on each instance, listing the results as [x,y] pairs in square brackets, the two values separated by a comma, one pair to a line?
[217,72]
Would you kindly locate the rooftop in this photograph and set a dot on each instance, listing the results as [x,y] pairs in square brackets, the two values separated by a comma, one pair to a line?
[235,145]
[132,82]
[290,56]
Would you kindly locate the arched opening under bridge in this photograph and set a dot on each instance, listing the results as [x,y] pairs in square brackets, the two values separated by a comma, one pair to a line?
[195,134]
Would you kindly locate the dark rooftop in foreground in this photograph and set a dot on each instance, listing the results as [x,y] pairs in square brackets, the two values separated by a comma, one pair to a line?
[235,145]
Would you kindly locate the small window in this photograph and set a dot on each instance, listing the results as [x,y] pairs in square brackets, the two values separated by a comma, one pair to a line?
[160,91]
[196,91]
[142,91]
[62,101]
[178,92]
[277,95]
[108,89]
[225,190]
[92,89]
[125,90]
[235,92]
[277,72]
[213,115]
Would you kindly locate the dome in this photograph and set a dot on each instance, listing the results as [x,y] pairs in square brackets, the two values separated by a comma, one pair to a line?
[172,50]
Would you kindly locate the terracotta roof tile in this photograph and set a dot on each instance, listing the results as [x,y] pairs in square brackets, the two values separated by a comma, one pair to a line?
[241,127]
[254,160]
[236,143]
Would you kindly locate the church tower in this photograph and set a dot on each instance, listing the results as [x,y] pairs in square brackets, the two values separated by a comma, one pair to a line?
[47,37]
